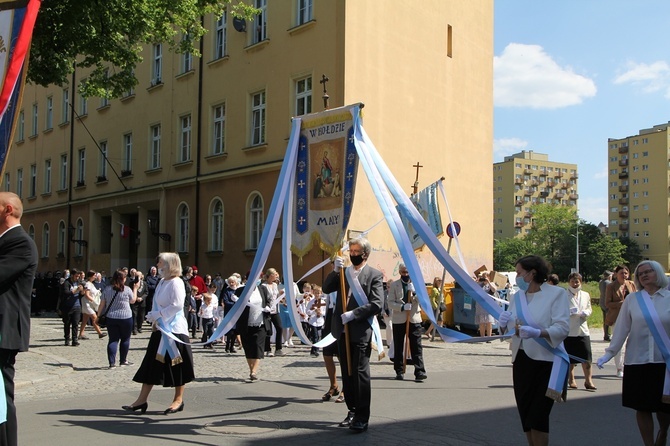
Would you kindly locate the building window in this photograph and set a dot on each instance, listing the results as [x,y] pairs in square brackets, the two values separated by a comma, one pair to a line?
[31,232]
[81,175]
[60,249]
[104,100]
[83,103]
[47,176]
[102,161]
[19,183]
[186,59]
[216,226]
[258,118]
[127,153]
[32,188]
[221,36]
[155,161]
[63,172]
[645,167]
[79,235]
[182,228]
[65,106]
[8,184]
[261,21]
[303,96]
[185,139]
[219,130]
[255,222]
[35,120]
[21,126]
[304,11]
[49,124]
[45,240]
[157,66]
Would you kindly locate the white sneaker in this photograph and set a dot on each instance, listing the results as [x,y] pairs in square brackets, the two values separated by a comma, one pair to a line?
[270,354]
[619,373]
[280,352]
[290,344]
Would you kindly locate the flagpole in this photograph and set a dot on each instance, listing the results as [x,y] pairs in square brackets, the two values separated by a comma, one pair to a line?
[343,293]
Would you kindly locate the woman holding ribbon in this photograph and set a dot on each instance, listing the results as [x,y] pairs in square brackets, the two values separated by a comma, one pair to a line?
[540,317]
[578,342]
[644,319]
[168,360]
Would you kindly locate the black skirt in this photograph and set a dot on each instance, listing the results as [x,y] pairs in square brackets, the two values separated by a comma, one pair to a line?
[154,372]
[531,379]
[253,342]
[579,346]
[643,387]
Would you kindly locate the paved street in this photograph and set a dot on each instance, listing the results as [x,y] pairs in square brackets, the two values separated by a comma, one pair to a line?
[67,394]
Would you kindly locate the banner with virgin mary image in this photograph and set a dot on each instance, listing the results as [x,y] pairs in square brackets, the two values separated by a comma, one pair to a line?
[325,181]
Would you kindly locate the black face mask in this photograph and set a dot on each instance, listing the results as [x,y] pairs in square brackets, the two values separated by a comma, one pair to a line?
[404,279]
[356,260]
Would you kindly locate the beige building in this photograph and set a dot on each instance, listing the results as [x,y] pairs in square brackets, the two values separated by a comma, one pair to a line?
[189,159]
[524,179]
[638,190]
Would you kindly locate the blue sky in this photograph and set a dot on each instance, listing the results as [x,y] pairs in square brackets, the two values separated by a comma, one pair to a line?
[569,74]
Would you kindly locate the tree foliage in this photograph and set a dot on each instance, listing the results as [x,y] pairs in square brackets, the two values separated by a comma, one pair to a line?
[506,252]
[108,37]
[600,255]
[633,253]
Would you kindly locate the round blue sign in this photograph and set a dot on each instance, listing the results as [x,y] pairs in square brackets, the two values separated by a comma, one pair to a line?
[451,228]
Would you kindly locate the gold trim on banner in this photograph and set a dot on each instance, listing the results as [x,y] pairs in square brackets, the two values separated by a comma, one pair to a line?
[316,240]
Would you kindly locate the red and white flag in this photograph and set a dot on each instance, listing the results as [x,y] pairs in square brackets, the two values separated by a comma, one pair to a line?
[125,231]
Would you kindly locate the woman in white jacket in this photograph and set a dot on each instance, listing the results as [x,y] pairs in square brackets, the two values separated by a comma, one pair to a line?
[578,342]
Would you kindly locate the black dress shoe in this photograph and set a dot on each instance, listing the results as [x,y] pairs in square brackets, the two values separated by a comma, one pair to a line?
[358,426]
[142,407]
[170,410]
[420,377]
[399,376]
[347,421]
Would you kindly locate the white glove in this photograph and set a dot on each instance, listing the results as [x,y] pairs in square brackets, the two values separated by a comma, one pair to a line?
[573,310]
[153,316]
[504,318]
[347,317]
[266,310]
[405,307]
[527,332]
[410,287]
[603,359]
[338,264]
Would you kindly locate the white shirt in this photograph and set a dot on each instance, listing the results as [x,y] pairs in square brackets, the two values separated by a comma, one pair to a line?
[317,320]
[169,301]
[255,309]
[640,347]
[580,310]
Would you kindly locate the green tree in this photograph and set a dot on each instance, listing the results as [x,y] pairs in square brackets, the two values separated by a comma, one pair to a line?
[108,36]
[633,253]
[552,236]
[604,253]
[506,252]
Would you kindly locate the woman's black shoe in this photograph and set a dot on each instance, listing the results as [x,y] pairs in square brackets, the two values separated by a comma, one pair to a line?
[142,407]
[170,410]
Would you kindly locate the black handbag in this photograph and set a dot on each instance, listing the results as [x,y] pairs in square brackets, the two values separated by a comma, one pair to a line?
[102,319]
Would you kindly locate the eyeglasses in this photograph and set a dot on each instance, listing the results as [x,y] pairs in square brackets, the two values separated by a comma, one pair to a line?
[645,272]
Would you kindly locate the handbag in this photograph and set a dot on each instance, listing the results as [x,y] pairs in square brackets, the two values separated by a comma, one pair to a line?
[102,319]
[442,307]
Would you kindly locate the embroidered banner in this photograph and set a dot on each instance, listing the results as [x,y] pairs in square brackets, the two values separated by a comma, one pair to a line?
[425,202]
[325,181]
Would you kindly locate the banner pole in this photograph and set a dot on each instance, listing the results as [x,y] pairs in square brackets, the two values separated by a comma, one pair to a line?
[343,293]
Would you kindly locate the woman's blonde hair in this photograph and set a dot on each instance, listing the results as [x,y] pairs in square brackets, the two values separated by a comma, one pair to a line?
[172,263]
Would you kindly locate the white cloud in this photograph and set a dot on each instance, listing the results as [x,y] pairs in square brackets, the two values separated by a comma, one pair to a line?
[602,174]
[649,77]
[593,209]
[526,76]
[507,146]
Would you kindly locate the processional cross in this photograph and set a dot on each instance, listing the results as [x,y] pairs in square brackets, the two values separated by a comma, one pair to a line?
[416,181]
[325,96]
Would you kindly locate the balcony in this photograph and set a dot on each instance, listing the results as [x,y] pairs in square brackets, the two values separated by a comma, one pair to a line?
[527,171]
[623,174]
[623,200]
[518,224]
[574,176]
[527,215]
[550,182]
[559,174]
[544,194]
[623,214]
[563,186]
[534,183]
[623,188]
[623,162]
[560,195]
[518,180]
[543,173]
[528,193]
[623,226]
[574,196]
[518,203]
[623,149]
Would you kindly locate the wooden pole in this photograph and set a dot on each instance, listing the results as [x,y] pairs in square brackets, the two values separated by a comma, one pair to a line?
[343,293]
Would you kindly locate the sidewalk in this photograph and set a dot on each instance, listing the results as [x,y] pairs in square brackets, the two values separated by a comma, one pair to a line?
[66,393]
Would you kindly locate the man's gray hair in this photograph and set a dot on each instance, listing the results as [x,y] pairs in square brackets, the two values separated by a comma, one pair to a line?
[363,243]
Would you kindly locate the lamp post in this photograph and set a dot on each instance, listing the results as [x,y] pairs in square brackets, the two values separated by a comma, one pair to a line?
[577,250]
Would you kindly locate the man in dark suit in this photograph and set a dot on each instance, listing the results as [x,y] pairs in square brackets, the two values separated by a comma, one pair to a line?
[357,317]
[18,262]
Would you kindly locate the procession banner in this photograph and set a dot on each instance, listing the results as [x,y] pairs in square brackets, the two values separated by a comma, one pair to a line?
[426,203]
[324,182]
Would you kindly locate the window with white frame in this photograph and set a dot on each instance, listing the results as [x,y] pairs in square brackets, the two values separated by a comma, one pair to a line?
[83,105]
[304,11]
[102,161]
[35,120]
[155,155]
[49,124]
[104,100]
[81,167]
[260,21]
[60,248]
[63,173]
[186,59]
[219,129]
[8,184]
[47,176]
[221,36]
[182,228]
[185,138]
[21,127]
[128,152]
[303,96]
[258,118]
[45,240]
[255,221]
[65,106]
[157,65]
[19,183]
[78,247]
[32,188]
[216,226]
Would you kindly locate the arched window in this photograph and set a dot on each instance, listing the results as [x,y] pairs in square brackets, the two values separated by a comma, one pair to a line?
[255,220]
[216,226]
[31,232]
[78,247]
[62,237]
[45,240]
[182,228]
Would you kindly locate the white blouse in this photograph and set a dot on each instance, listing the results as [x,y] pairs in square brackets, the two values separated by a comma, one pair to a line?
[580,310]
[640,347]
[169,301]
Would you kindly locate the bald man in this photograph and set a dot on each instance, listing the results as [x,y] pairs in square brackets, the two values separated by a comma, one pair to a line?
[18,262]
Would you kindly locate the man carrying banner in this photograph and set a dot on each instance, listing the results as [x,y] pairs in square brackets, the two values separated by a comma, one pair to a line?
[406,320]
[364,300]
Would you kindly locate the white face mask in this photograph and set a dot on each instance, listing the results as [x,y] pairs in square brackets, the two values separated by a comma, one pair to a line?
[161,272]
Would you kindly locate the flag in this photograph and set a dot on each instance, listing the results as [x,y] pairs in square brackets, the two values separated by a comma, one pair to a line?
[125,231]
[425,201]
[325,181]
[17,20]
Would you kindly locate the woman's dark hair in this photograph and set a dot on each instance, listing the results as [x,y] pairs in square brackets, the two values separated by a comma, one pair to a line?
[553,279]
[536,263]
[90,273]
[573,275]
[620,267]
[118,280]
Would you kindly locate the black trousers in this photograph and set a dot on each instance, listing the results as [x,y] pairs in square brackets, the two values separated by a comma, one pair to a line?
[356,387]
[415,347]
[71,323]
[9,429]
[276,323]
